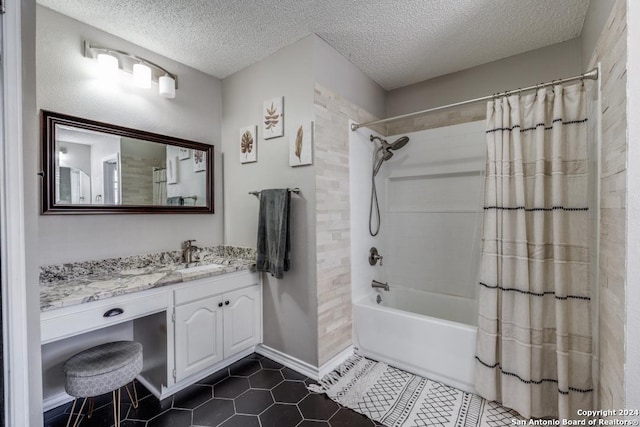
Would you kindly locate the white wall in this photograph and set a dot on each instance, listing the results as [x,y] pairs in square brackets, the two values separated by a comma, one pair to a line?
[536,66]
[632,338]
[68,83]
[77,156]
[337,73]
[190,183]
[597,15]
[105,145]
[290,304]
[31,197]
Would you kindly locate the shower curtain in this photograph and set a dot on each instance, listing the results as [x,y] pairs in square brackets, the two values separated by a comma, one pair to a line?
[159,186]
[534,350]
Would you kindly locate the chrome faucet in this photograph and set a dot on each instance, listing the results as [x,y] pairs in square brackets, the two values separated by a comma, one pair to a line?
[188,251]
[379,285]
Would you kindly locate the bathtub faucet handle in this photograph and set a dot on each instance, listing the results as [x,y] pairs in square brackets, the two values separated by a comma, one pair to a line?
[374,256]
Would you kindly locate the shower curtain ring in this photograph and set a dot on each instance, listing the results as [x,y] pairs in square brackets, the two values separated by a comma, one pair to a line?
[538,87]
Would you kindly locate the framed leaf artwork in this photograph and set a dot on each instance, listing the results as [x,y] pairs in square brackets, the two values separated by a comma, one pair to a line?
[273,118]
[301,146]
[248,144]
[184,153]
[199,161]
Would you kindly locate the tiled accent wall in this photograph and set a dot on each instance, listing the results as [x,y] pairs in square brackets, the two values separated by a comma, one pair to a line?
[333,240]
[448,117]
[137,179]
[611,51]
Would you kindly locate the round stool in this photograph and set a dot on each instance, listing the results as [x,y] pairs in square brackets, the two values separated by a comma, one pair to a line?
[102,369]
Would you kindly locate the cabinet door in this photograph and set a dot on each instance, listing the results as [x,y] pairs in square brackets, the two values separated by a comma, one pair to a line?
[198,336]
[242,319]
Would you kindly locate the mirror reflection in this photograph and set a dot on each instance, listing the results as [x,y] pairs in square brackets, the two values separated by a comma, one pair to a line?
[93,167]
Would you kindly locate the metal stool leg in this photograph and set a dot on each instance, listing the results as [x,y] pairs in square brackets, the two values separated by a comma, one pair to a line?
[78,415]
[116,408]
[134,402]
[91,404]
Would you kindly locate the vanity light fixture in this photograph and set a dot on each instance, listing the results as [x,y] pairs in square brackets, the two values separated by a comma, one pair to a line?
[167,87]
[143,71]
[142,75]
[108,65]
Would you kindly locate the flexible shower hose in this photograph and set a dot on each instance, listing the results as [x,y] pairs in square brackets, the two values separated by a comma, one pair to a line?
[374,200]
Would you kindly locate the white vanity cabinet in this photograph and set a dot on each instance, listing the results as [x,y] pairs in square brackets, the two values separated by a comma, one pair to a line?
[188,330]
[198,335]
[214,320]
[242,319]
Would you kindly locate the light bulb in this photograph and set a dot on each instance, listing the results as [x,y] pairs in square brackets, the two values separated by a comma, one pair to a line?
[142,76]
[108,65]
[167,87]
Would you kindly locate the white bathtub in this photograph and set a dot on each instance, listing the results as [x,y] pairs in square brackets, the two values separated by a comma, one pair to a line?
[439,349]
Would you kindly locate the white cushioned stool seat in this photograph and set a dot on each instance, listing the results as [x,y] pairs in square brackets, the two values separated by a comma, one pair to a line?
[103,368]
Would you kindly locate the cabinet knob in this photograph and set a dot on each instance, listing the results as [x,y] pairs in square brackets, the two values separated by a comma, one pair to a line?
[220,304]
[113,312]
[226,303]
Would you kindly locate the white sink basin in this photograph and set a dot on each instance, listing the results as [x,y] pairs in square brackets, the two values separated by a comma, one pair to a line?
[200,268]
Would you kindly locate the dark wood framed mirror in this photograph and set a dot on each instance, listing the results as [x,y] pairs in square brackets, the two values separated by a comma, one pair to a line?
[90,167]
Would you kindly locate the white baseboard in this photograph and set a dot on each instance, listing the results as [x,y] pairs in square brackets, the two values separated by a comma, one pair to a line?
[289,361]
[335,361]
[55,400]
[186,382]
[303,367]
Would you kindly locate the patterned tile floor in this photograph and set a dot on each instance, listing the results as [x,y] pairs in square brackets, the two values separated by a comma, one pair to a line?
[254,391]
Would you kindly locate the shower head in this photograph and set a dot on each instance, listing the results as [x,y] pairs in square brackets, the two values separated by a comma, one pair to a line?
[383,153]
[399,143]
[396,145]
[385,148]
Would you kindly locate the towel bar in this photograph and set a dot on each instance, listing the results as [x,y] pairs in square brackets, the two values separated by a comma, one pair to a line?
[292,190]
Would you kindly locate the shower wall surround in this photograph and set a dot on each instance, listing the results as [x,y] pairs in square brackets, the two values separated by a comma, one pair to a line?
[611,51]
[432,214]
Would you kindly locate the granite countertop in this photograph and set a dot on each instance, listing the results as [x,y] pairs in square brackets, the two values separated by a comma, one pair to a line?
[78,283]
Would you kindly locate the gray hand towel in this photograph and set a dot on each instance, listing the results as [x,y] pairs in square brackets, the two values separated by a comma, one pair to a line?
[273,232]
[175,201]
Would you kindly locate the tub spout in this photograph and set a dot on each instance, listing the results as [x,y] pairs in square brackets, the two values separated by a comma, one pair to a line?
[380,285]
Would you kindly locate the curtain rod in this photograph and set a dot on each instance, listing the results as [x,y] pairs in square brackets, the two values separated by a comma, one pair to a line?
[589,75]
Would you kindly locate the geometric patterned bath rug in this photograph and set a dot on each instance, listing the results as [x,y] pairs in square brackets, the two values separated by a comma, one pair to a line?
[397,398]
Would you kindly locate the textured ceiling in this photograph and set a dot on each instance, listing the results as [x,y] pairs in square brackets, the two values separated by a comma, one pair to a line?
[394,42]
